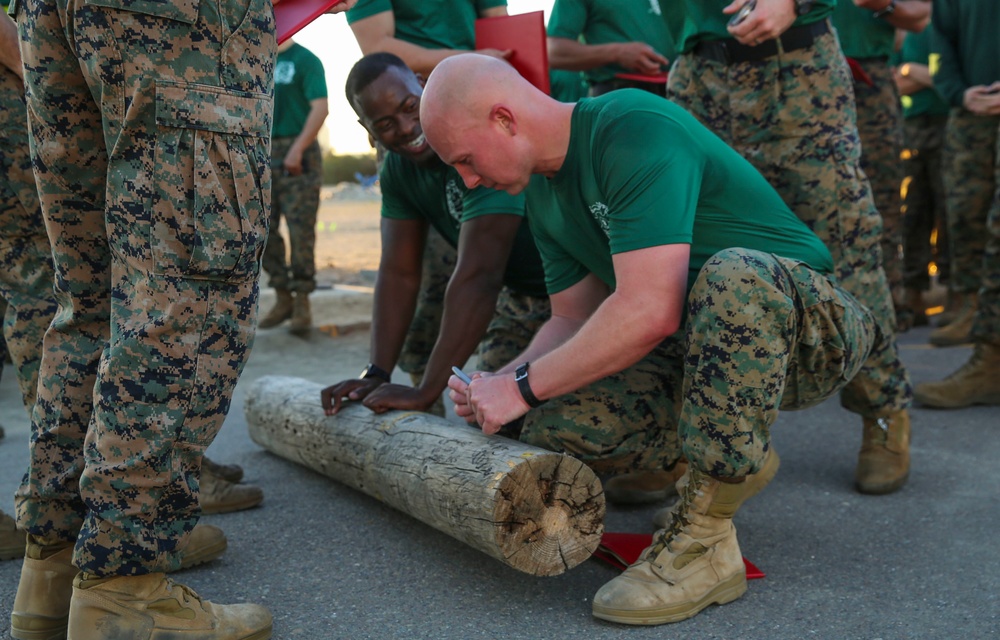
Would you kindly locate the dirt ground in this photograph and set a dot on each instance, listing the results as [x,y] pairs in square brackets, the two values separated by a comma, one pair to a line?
[347,242]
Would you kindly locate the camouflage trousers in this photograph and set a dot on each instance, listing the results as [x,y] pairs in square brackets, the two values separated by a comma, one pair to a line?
[972,185]
[880,127]
[296,199]
[792,116]
[924,204]
[150,143]
[25,259]
[439,263]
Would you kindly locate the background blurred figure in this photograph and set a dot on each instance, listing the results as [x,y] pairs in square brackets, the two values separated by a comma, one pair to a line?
[966,70]
[300,108]
[609,38]
[867,32]
[924,117]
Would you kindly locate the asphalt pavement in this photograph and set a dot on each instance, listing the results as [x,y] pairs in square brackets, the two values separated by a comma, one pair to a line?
[333,563]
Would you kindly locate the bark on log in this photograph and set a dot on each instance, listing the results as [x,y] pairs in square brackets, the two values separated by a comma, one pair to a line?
[537,511]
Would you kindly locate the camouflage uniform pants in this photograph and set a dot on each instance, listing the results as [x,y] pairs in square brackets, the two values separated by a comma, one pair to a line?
[296,199]
[25,258]
[150,142]
[710,392]
[924,203]
[972,184]
[439,263]
[880,126]
[792,116]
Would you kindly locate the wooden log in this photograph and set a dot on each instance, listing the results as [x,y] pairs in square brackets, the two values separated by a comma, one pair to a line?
[537,511]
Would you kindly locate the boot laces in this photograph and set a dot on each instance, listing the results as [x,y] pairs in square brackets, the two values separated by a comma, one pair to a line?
[679,517]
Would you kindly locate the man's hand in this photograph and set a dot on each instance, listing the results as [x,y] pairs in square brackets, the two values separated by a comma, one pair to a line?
[872,5]
[983,100]
[398,396]
[767,21]
[641,58]
[491,400]
[495,53]
[340,7]
[355,389]
[293,162]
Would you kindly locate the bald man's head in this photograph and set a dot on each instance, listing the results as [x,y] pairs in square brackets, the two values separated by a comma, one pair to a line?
[477,113]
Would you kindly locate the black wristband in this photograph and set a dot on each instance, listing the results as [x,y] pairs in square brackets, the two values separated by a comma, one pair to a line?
[521,377]
[374,371]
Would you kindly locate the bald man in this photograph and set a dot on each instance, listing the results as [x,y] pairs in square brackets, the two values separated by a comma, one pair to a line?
[655,236]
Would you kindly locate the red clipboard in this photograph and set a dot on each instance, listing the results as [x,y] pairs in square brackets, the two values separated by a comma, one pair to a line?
[291,15]
[524,34]
[622,549]
[639,77]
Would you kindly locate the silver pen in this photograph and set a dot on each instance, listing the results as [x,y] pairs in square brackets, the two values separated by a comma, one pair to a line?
[463,376]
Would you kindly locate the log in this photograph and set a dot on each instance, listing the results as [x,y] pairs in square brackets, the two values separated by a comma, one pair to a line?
[534,510]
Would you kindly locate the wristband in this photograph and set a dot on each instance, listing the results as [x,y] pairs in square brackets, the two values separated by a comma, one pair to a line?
[521,377]
[374,371]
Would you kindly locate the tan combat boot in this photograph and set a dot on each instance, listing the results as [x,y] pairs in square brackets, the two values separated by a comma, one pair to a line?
[952,307]
[753,485]
[975,382]
[11,540]
[959,330]
[228,472]
[692,563]
[41,606]
[154,606]
[641,487]
[884,459]
[281,311]
[218,495]
[301,322]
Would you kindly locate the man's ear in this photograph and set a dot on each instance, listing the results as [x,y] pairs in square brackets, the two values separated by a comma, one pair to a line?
[504,117]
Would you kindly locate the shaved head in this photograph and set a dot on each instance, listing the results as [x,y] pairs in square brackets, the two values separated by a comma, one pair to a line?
[492,125]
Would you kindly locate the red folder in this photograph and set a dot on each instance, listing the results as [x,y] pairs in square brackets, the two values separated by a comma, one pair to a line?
[639,77]
[622,549]
[524,34]
[291,15]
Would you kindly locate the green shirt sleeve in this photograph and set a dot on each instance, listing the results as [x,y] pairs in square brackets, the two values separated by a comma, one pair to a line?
[482,201]
[945,67]
[395,204]
[367,8]
[568,19]
[314,85]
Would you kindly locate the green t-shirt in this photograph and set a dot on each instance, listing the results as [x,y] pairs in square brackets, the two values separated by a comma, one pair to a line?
[861,34]
[640,172]
[438,195]
[298,80]
[432,24]
[917,49]
[605,22]
[965,46]
[568,86]
[692,21]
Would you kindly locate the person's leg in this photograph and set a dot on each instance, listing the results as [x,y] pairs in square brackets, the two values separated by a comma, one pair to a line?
[977,382]
[274,261]
[968,179]
[817,337]
[301,218]
[175,238]
[918,219]
[770,113]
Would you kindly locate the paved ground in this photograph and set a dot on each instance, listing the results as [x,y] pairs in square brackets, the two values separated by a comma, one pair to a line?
[333,563]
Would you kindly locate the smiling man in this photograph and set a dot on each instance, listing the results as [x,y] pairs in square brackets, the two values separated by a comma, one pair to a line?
[655,236]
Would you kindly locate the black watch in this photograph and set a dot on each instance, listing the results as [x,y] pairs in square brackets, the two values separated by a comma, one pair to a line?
[521,377]
[802,7]
[889,8]
[374,371]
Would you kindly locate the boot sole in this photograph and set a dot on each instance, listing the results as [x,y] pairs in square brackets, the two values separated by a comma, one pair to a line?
[882,489]
[263,634]
[944,403]
[725,592]
[229,507]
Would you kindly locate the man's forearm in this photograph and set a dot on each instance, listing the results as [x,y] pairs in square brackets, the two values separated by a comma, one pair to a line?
[311,128]
[575,56]
[10,53]
[910,15]
[394,305]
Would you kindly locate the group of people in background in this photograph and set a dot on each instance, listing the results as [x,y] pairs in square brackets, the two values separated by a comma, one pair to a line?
[614,256]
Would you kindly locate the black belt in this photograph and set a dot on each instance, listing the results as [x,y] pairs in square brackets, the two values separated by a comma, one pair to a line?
[729,51]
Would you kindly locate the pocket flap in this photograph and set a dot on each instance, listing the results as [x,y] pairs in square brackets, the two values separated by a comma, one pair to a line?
[181,10]
[191,106]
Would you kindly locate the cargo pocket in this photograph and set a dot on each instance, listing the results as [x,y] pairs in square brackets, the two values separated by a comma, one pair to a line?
[180,10]
[210,172]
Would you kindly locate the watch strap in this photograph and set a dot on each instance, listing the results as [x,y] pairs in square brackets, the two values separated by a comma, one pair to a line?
[521,377]
[375,371]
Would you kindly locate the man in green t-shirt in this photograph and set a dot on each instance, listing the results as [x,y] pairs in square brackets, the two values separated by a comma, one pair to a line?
[867,31]
[300,108]
[608,40]
[965,65]
[656,238]
[422,33]
[777,88]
